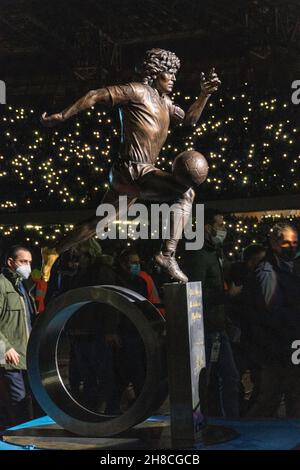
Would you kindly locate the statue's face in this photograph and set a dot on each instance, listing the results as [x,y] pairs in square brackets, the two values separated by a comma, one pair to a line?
[164,82]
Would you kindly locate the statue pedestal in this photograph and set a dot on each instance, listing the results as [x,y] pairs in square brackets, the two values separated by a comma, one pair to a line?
[186,360]
[49,373]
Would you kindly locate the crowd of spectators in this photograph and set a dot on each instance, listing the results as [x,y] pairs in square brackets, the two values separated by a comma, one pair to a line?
[249,139]
[241,232]
[250,309]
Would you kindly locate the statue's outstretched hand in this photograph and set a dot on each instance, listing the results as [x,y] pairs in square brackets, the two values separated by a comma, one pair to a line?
[211,83]
[52,120]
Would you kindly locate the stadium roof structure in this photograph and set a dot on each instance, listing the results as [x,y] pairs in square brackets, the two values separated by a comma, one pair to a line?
[63,47]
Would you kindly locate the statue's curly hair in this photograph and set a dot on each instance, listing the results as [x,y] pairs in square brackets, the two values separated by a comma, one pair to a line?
[157,61]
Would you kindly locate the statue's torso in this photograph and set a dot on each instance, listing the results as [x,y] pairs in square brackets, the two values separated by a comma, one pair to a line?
[145,120]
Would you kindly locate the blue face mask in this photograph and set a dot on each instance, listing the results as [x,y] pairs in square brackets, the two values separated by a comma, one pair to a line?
[135,269]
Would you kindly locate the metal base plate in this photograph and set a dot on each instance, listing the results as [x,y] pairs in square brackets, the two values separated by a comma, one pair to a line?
[151,434]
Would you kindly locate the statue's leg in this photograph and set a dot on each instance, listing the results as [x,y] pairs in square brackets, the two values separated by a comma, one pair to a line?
[84,231]
[162,186]
[87,229]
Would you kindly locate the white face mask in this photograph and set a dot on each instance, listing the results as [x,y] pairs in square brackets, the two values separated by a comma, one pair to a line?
[219,238]
[24,271]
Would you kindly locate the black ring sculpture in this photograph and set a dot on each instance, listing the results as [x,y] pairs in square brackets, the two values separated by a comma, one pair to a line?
[44,375]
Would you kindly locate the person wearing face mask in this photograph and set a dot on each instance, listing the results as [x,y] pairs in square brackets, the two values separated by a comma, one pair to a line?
[218,235]
[137,279]
[274,301]
[17,314]
[129,277]
[132,362]
[206,265]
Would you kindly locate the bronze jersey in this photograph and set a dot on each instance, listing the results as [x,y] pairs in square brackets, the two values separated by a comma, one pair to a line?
[145,119]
